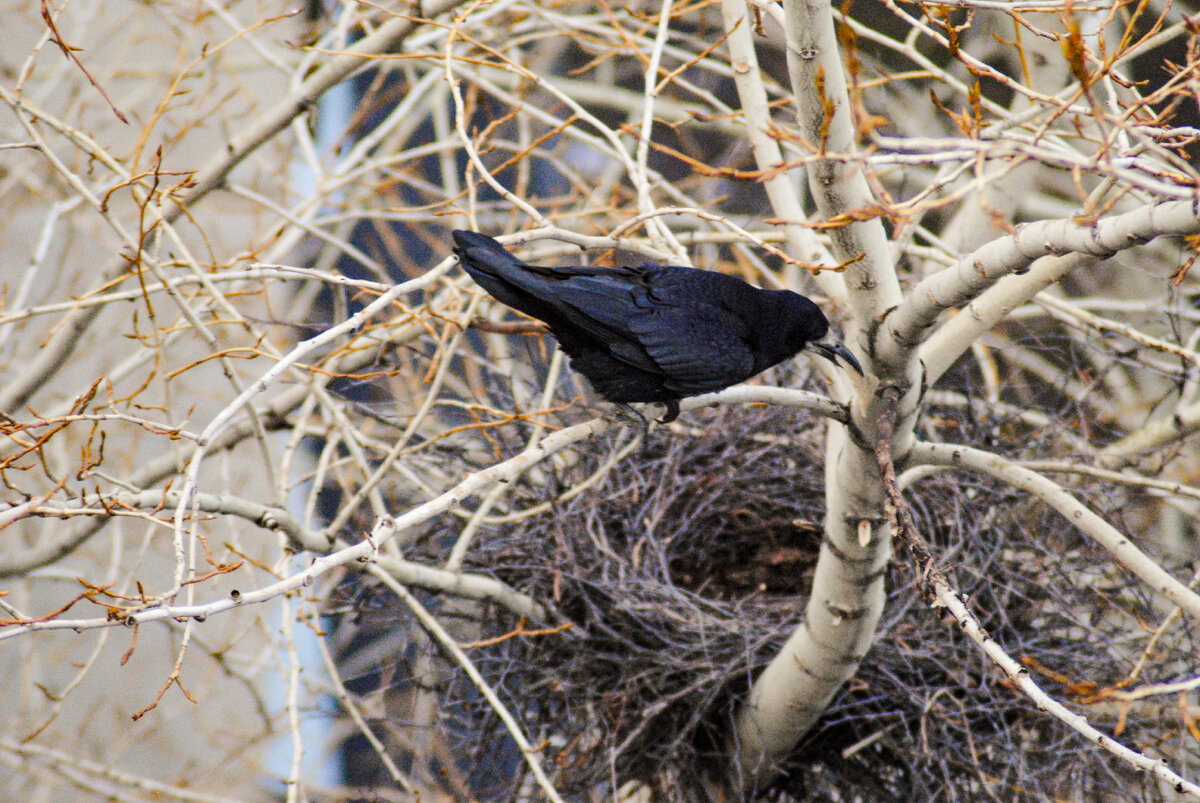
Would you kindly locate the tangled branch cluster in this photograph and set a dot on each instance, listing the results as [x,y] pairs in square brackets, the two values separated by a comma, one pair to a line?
[680,570]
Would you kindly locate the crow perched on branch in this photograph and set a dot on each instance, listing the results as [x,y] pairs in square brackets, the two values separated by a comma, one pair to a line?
[654,333]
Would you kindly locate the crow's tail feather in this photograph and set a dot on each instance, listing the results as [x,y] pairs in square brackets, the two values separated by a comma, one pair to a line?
[505,277]
[478,252]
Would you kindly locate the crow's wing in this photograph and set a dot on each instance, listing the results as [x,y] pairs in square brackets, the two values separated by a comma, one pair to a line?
[600,305]
[698,348]
[665,320]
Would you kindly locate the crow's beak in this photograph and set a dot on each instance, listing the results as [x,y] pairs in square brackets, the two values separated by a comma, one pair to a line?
[831,348]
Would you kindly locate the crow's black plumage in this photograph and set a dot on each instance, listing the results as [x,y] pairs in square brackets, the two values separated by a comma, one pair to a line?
[654,333]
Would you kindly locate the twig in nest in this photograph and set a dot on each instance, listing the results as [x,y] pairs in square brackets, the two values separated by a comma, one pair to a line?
[510,327]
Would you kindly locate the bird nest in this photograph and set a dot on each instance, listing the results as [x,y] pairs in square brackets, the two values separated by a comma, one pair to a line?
[686,568]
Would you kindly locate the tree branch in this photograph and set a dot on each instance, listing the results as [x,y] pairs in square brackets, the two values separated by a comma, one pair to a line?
[1070,508]
[978,271]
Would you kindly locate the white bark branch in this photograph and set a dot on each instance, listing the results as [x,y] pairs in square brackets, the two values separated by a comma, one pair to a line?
[847,596]
[970,276]
[1066,505]
[944,345]
[780,186]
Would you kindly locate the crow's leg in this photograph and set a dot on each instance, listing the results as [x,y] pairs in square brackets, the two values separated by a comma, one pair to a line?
[672,411]
[632,415]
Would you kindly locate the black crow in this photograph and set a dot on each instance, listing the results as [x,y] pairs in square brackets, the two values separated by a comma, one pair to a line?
[654,333]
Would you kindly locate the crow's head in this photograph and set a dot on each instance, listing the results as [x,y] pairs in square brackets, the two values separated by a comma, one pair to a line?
[792,323]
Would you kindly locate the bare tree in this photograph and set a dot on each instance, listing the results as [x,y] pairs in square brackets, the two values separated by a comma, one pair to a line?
[281,484]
